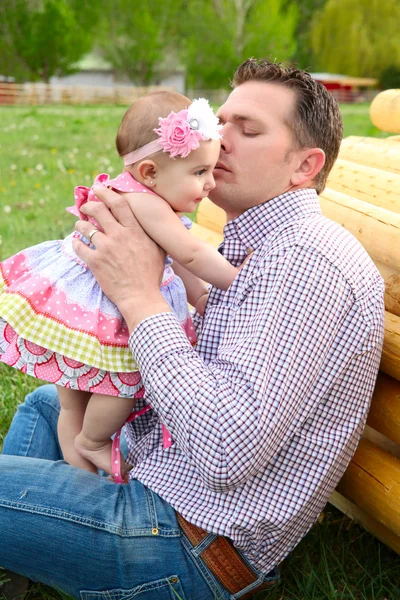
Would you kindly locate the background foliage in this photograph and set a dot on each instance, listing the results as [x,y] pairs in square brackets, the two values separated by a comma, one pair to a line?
[40,39]
[229,31]
[357,37]
[135,38]
[206,38]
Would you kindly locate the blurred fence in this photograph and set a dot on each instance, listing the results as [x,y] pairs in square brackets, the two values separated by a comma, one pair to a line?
[42,93]
[354,96]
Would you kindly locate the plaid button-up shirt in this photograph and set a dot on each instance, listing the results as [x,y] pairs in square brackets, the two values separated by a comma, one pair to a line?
[267,411]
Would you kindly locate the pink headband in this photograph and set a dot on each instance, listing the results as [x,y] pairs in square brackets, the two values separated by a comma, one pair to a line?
[140,153]
[180,133]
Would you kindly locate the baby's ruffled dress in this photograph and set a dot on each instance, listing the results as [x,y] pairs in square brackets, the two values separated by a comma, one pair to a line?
[56,323]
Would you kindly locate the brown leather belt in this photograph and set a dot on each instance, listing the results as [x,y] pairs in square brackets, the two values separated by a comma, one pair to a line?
[224,561]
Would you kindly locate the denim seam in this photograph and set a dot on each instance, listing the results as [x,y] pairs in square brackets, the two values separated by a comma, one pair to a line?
[213,583]
[257,571]
[151,507]
[151,586]
[204,544]
[38,398]
[29,441]
[54,513]
[248,588]
[148,506]
[145,586]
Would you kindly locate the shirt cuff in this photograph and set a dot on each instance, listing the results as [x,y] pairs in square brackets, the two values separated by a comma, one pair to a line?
[154,338]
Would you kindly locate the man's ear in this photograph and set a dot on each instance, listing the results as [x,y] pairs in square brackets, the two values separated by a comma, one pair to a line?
[311,162]
[147,171]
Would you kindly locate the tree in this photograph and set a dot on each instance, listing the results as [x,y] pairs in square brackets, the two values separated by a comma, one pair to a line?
[40,39]
[220,34]
[390,78]
[357,37]
[136,37]
[303,56]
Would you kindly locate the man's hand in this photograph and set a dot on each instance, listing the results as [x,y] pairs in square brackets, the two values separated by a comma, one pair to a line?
[127,264]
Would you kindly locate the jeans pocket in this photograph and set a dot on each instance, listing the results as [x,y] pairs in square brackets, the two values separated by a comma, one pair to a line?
[167,588]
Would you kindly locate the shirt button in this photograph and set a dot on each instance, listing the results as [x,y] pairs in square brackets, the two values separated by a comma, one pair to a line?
[249,250]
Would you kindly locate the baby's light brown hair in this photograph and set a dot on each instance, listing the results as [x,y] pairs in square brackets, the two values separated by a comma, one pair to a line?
[140,120]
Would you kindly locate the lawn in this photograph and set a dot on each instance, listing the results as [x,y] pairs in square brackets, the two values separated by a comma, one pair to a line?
[44,153]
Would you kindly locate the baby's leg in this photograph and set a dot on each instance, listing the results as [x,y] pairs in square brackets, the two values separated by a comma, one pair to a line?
[73,406]
[104,415]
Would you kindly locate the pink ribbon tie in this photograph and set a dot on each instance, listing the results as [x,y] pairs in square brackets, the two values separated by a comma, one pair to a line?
[116,445]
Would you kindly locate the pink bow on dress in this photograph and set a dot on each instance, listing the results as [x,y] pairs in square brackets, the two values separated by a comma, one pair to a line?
[84,194]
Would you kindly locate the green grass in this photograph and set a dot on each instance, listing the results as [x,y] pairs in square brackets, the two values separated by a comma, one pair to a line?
[44,153]
[356,121]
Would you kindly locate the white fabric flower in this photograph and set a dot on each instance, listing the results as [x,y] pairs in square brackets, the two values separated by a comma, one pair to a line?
[208,124]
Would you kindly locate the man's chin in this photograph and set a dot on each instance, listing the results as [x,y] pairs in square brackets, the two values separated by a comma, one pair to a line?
[222,196]
[216,197]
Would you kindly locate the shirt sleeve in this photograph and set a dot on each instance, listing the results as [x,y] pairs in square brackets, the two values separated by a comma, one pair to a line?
[232,415]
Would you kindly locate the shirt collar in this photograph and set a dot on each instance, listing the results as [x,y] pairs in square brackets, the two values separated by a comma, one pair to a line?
[254,225]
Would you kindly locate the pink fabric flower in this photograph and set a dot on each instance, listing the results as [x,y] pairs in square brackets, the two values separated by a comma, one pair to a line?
[176,136]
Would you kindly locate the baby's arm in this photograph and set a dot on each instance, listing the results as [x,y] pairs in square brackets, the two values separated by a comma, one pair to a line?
[161,223]
[196,289]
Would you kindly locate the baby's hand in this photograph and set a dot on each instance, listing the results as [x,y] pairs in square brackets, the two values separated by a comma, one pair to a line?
[201,304]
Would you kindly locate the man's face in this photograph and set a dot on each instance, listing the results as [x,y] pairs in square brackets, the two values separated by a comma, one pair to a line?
[258,153]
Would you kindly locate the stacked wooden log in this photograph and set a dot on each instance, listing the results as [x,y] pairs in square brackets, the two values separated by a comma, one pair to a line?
[363,195]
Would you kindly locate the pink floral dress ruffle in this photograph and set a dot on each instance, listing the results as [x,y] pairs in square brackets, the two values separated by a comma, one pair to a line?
[57,325]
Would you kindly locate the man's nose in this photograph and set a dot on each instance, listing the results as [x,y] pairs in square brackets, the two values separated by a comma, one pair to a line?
[225,142]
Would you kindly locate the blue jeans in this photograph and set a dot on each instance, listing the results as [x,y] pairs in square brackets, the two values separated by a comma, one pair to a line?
[84,534]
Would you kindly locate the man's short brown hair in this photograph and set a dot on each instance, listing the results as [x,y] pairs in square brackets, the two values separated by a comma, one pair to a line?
[317,122]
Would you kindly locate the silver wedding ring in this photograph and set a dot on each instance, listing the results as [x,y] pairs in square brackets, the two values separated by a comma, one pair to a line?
[91,234]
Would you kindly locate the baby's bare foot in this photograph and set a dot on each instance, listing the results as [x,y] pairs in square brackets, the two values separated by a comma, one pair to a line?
[99,453]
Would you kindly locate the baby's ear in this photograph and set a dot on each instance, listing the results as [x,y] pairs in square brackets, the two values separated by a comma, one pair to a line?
[146,171]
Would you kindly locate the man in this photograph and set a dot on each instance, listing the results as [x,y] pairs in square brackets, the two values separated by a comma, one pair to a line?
[265,414]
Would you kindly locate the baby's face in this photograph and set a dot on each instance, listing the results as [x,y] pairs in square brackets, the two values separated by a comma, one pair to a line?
[184,182]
